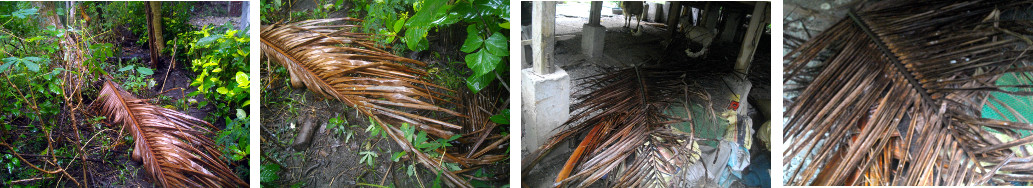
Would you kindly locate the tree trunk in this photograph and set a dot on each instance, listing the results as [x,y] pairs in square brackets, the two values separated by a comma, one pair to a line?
[156,42]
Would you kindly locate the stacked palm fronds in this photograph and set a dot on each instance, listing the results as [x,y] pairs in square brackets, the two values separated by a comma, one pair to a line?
[896,93]
[171,145]
[623,122]
[325,56]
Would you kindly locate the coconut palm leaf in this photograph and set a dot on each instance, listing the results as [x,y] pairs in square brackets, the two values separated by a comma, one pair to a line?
[623,122]
[171,145]
[892,95]
[326,57]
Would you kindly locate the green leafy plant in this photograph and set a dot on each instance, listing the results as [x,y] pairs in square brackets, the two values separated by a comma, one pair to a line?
[269,174]
[486,43]
[421,141]
[368,157]
[135,81]
[222,63]
[339,126]
[233,139]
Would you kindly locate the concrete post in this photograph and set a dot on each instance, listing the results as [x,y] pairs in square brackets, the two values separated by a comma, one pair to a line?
[713,13]
[545,88]
[596,13]
[732,21]
[758,21]
[672,16]
[543,25]
[593,35]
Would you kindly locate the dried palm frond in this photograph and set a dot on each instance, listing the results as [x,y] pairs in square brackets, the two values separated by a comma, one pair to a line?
[171,145]
[891,95]
[622,117]
[325,56]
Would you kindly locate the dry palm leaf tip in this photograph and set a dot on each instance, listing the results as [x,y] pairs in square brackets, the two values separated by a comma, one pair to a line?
[894,94]
[627,135]
[172,146]
[328,58]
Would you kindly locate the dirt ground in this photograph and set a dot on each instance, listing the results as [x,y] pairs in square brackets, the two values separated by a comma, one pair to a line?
[622,49]
[329,160]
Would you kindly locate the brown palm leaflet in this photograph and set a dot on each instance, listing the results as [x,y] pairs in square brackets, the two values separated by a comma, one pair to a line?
[892,95]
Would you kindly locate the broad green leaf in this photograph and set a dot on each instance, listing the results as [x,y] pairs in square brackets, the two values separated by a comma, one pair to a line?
[243,115]
[34,67]
[242,53]
[397,156]
[504,25]
[426,15]
[123,69]
[465,10]
[477,83]
[22,13]
[208,40]
[242,80]
[6,65]
[269,172]
[222,90]
[145,71]
[473,39]
[490,7]
[497,44]
[230,33]
[482,62]
[423,44]
[447,19]
[413,36]
[398,25]
[54,88]
[501,118]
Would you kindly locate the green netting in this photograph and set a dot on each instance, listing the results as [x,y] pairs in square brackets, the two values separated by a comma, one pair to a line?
[707,125]
[1022,104]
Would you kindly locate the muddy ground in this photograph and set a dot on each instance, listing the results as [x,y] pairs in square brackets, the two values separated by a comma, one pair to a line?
[330,159]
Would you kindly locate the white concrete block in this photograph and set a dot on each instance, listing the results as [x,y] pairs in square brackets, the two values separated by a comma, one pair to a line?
[546,105]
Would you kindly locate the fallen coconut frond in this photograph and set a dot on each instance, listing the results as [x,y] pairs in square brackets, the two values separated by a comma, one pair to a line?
[171,145]
[622,117]
[327,58]
[893,95]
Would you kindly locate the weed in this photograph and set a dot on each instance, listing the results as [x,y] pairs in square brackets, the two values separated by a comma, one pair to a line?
[340,127]
[368,157]
[138,81]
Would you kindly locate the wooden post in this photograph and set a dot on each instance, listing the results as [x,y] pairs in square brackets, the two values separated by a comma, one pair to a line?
[543,24]
[758,21]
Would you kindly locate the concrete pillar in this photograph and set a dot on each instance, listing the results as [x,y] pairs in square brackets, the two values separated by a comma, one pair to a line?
[593,35]
[543,30]
[545,88]
[595,13]
[657,14]
[710,20]
[732,21]
[758,21]
[593,39]
[672,16]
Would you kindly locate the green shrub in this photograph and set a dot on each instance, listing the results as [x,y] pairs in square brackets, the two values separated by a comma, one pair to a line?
[221,61]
